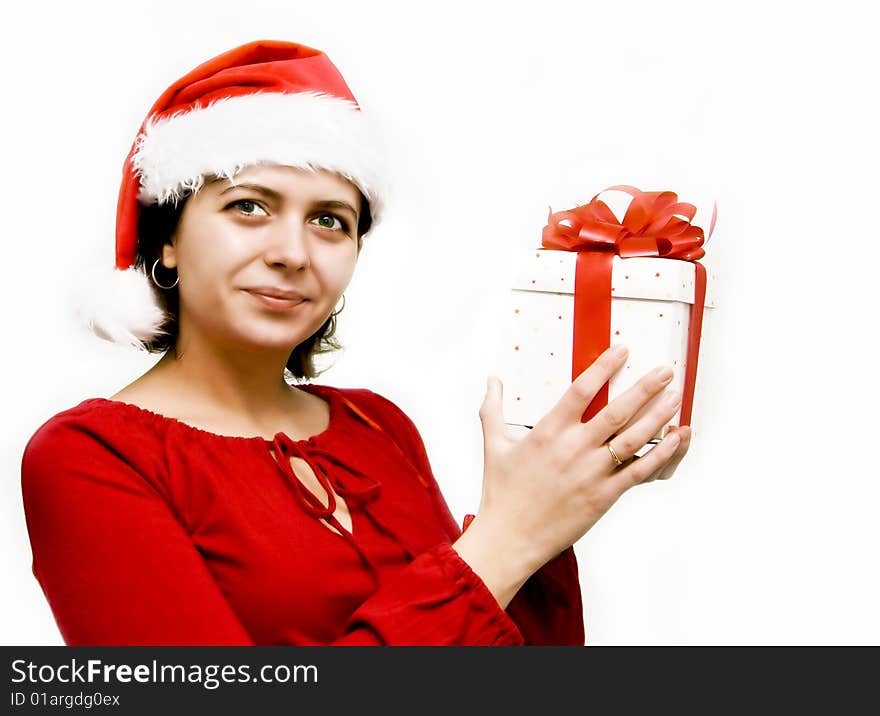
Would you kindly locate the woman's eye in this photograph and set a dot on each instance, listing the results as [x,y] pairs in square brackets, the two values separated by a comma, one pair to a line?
[326,222]
[248,207]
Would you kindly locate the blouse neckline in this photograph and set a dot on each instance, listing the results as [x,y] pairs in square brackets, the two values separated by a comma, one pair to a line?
[322,390]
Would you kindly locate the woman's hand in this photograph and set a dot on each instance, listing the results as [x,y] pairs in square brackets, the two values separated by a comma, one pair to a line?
[667,470]
[545,491]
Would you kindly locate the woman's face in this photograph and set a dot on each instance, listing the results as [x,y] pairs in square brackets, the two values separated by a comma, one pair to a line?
[274,227]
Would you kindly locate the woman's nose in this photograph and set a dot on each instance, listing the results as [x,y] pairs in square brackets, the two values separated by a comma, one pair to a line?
[289,244]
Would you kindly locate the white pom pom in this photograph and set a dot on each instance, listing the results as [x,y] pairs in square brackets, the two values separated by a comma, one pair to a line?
[118,306]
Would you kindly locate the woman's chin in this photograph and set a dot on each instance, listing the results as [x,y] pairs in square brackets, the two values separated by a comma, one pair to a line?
[274,338]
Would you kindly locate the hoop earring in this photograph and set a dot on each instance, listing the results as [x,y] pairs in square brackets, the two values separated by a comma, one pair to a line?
[153,274]
[336,313]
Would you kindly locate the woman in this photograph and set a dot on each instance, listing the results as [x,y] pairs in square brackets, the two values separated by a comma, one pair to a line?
[211,501]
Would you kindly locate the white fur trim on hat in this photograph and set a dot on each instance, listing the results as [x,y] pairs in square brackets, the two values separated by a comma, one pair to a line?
[310,130]
[118,306]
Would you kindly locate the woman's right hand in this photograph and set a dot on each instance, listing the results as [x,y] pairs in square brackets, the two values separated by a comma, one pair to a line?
[544,491]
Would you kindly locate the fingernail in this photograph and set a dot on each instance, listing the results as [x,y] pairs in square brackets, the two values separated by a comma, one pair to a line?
[619,350]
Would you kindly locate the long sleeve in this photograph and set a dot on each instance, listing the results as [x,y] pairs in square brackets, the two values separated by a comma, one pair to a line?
[437,600]
[118,567]
[548,608]
[115,565]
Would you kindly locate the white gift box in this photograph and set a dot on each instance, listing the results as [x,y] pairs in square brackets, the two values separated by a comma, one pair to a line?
[650,313]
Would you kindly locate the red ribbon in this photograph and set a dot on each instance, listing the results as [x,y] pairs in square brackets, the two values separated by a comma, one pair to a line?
[656,225]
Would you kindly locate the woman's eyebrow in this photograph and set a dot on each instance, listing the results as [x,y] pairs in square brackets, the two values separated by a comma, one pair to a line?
[333,204]
[259,188]
[322,204]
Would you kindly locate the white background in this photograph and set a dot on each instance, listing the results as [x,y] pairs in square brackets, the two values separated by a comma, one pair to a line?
[768,532]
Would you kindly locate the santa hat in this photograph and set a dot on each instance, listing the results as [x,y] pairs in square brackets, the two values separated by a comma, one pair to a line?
[264,102]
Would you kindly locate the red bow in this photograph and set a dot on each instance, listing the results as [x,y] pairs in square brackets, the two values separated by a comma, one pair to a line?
[652,227]
[657,225]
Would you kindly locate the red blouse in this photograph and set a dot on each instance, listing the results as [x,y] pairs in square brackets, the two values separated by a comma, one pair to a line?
[149,531]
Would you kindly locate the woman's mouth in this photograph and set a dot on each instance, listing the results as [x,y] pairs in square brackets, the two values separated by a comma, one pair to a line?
[276,304]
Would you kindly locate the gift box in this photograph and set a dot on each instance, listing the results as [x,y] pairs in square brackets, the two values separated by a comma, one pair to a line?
[596,281]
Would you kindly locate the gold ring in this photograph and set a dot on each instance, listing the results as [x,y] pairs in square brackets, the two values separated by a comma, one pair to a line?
[617,461]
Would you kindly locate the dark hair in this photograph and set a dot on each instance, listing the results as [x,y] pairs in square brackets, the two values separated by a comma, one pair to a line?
[156,225]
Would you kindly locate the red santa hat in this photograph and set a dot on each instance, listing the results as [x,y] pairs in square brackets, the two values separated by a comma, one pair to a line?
[264,102]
